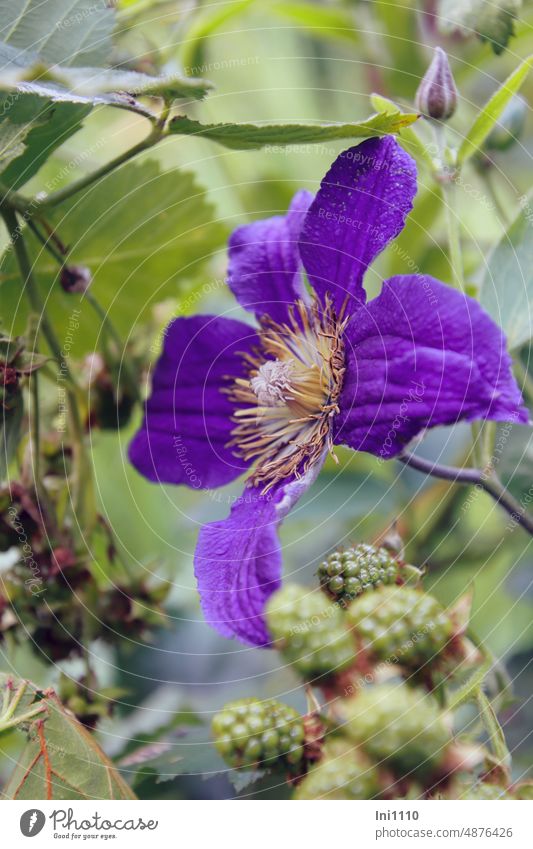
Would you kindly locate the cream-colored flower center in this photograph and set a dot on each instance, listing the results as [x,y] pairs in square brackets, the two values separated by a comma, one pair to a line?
[272,384]
[286,404]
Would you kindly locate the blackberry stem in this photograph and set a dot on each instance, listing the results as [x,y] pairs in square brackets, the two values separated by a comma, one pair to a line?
[489,483]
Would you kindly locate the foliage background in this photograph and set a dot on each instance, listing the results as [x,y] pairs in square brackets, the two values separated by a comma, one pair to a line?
[276,61]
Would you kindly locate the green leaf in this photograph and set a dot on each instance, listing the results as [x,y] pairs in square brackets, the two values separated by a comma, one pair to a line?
[23,72]
[11,145]
[61,760]
[62,32]
[141,232]
[492,110]
[110,87]
[36,69]
[36,140]
[409,138]
[254,136]
[321,21]
[30,128]
[507,288]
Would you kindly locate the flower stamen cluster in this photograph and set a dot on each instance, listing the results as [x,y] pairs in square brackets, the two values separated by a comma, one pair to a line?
[286,405]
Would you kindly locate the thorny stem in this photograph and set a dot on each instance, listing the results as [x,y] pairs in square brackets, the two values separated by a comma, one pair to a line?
[36,430]
[157,134]
[103,315]
[489,483]
[29,207]
[81,465]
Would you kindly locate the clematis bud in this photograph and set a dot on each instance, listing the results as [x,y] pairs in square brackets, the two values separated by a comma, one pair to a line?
[437,93]
[75,278]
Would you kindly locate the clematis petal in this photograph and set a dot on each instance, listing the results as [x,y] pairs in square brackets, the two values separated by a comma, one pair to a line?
[264,270]
[361,206]
[238,560]
[187,420]
[419,355]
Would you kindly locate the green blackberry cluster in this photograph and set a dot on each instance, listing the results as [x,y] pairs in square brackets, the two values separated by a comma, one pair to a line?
[310,632]
[343,772]
[400,726]
[403,624]
[375,645]
[350,573]
[250,733]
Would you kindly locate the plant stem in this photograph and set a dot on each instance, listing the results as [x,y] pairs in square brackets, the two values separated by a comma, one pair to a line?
[474,477]
[493,191]
[449,195]
[158,132]
[99,310]
[494,730]
[12,199]
[32,206]
[36,430]
[108,325]
[524,378]
[32,292]
[46,243]
[82,469]
[449,198]
[9,724]
[469,690]
[14,702]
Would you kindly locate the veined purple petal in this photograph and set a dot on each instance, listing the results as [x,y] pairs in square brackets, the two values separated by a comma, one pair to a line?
[264,270]
[420,355]
[361,206]
[187,419]
[238,560]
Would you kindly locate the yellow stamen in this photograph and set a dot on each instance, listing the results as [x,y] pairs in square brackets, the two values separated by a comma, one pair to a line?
[285,407]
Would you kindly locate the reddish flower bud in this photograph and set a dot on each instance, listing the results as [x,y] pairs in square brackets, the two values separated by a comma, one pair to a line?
[437,93]
[75,278]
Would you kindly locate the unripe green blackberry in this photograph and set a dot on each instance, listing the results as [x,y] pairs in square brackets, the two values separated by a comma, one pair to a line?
[310,631]
[399,725]
[403,624]
[249,732]
[342,773]
[348,574]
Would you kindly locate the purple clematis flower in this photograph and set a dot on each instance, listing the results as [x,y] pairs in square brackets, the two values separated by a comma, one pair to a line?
[321,367]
